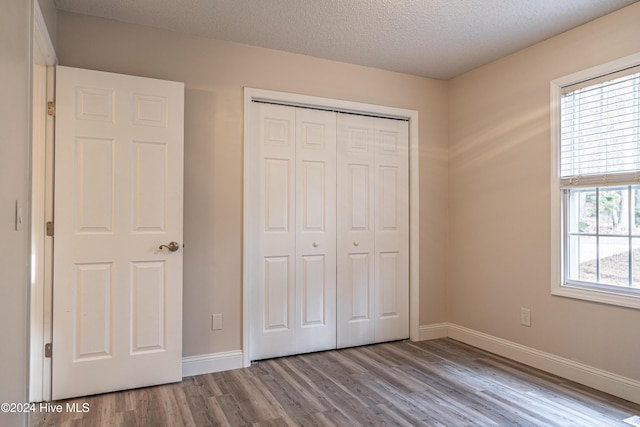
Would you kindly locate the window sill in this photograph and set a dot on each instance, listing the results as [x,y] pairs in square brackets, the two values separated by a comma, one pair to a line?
[603,296]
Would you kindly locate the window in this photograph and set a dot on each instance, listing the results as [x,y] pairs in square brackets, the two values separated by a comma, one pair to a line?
[596,184]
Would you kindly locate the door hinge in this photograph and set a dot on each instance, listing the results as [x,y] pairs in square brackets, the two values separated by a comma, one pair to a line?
[49,228]
[51,108]
[48,350]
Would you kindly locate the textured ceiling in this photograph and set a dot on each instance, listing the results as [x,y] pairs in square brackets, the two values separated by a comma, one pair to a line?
[431,38]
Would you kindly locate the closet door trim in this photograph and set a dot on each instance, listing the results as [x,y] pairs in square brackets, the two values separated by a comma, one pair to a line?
[250,189]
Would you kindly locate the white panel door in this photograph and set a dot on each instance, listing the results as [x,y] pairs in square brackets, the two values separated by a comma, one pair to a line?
[293,298]
[356,230]
[273,297]
[315,230]
[117,297]
[391,230]
[373,239]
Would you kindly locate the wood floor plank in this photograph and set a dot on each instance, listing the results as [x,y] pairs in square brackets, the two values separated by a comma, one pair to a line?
[216,415]
[430,383]
[234,412]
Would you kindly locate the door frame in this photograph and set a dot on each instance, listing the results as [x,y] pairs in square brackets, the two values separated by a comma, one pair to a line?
[41,248]
[249,176]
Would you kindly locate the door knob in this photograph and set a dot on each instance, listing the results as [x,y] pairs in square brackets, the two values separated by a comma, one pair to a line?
[356,243]
[173,246]
[316,244]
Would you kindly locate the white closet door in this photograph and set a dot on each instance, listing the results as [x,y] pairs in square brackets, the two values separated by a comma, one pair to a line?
[391,230]
[315,230]
[294,296]
[273,296]
[373,239]
[356,233]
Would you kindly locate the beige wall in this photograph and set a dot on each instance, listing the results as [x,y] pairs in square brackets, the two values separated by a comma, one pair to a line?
[484,176]
[499,178]
[15,59]
[50,15]
[215,73]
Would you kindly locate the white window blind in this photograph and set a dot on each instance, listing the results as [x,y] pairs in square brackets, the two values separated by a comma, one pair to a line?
[600,130]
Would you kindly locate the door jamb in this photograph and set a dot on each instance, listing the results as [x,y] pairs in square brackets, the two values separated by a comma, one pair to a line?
[286,98]
[41,248]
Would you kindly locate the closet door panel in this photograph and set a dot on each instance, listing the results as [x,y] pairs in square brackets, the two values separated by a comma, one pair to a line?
[391,230]
[273,299]
[356,234]
[315,230]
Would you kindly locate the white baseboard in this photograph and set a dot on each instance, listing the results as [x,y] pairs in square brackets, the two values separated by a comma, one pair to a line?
[617,385]
[611,383]
[214,362]
[433,332]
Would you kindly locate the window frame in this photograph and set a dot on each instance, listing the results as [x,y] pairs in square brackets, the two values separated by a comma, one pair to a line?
[559,285]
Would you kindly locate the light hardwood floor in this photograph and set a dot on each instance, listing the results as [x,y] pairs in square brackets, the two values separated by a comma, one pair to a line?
[430,383]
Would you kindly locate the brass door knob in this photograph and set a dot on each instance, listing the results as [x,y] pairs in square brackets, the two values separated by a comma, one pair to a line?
[173,246]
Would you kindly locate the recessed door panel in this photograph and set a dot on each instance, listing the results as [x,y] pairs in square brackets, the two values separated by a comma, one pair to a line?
[95,175]
[313,135]
[92,314]
[359,284]
[313,287]
[94,104]
[358,139]
[389,143]
[359,190]
[389,284]
[150,186]
[277,132]
[148,306]
[276,303]
[314,196]
[150,110]
[277,194]
[388,190]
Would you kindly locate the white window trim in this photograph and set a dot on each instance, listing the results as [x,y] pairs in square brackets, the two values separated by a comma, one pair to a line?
[606,296]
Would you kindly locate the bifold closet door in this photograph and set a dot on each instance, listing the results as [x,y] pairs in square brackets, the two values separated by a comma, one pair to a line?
[315,230]
[373,230]
[293,299]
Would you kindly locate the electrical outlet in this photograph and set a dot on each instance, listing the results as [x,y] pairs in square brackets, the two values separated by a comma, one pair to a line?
[525,316]
[216,322]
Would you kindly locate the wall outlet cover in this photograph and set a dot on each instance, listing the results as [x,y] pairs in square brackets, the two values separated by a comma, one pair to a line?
[216,322]
[525,316]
